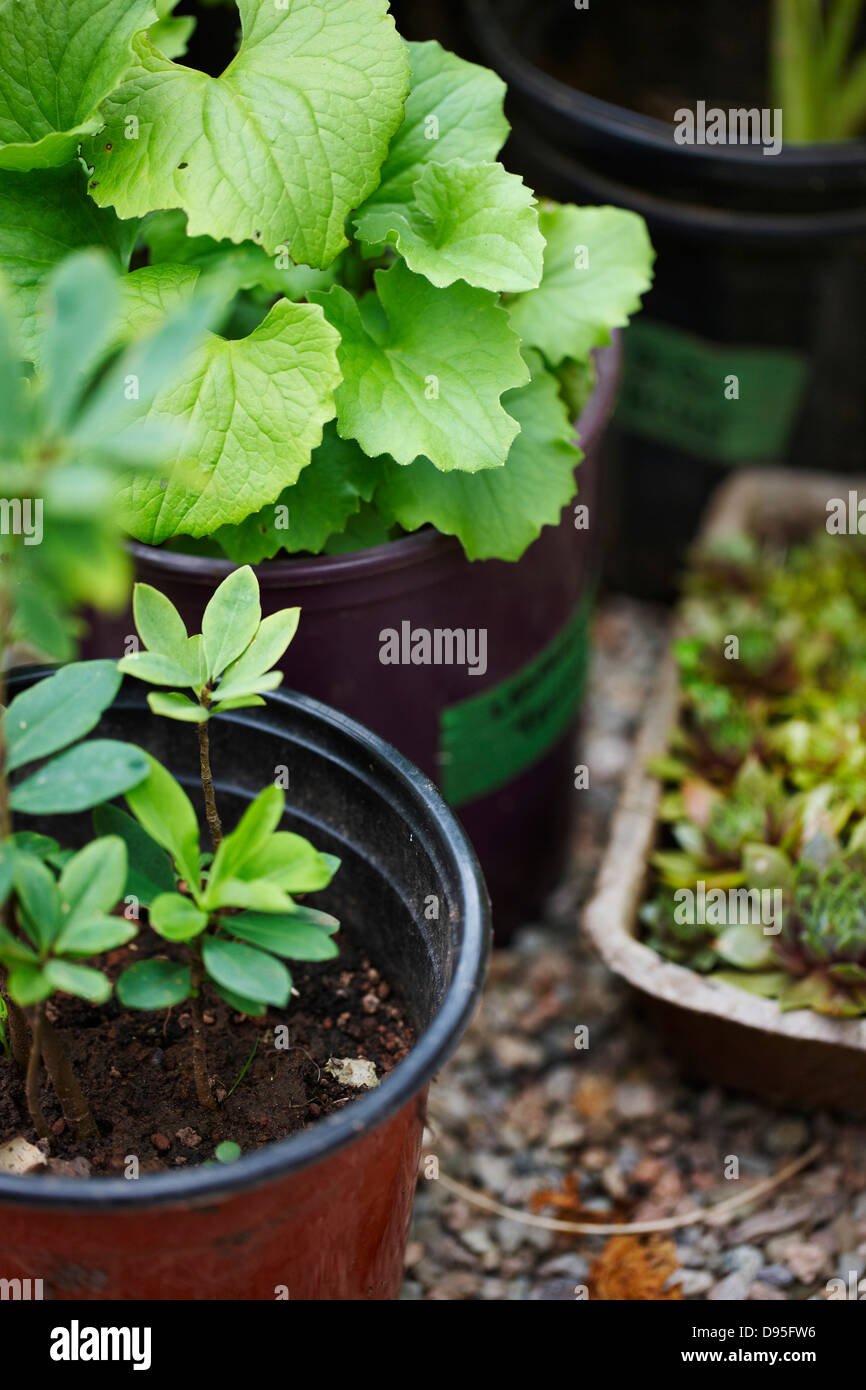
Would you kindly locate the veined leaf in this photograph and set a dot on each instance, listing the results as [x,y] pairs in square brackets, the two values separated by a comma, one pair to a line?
[499,511]
[281,147]
[61,60]
[424,370]
[597,264]
[471,222]
[252,410]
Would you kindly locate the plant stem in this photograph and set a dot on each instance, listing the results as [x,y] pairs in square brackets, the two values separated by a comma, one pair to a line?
[213,820]
[65,1082]
[18,1038]
[34,1104]
[199,1052]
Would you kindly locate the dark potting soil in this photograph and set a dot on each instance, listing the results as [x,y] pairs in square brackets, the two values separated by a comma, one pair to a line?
[655,58]
[136,1068]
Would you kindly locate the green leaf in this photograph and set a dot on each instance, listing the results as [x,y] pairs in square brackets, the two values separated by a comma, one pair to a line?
[58,710]
[43,217]
[249,972]
[291,862]
[499,511]
[83,299]
[172,36]
[745,946]
[424,370]
[454,111]
[252,1007]
[176,918]
[154,668]
[256,894]
[38,899]
[162,807]
[160,626]
[93,880]
[241,686]
[81,778]
[153,984]
[471,222]
[148,294]
[270,642]
[277,150]
[597,264]
[61,62]
[29,984]
[282,935]
[252,411]
[149,867]
[7,863]
[227,1152]
[28,842]
[767,984]
[329,490]
[255,828]
[92,936]
[177,706]
[13,951]
[231,620]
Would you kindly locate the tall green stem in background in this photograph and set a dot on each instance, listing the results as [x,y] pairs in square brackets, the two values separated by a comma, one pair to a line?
[815,77]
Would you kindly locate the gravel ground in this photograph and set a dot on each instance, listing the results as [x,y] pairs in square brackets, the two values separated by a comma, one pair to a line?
[611,1132]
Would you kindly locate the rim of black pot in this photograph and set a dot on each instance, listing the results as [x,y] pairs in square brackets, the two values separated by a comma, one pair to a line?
[402,553]
[619,123]
[325,1137]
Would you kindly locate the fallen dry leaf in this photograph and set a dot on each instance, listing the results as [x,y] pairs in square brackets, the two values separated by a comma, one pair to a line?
[633,1268]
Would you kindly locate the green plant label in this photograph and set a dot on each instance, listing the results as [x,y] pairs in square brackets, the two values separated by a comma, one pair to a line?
[488,739]
[725,403]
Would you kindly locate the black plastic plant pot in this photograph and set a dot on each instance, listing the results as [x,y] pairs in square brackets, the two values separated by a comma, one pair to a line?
[323,1214]
[752,344]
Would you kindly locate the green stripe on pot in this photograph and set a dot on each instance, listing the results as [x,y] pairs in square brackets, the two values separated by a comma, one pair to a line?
[678,389]
[489,739]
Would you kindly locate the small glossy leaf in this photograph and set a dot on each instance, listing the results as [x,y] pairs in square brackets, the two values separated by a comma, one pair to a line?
[283,935]
[28,984]
[256,894]
[13,951]
[173,705]
[92,936]
[240,687]
[252,1007]
[291,862]
[153,984]
[176,918]
[149,870]
[159,625]
[93,880]
[270,642]
[253,829]
[154,668]
[29,842]
[81,778]
[252,973]
[38,898]
[746,946]
[227,1152]
[58,710]
[80,980]
[163,808]
[231,620]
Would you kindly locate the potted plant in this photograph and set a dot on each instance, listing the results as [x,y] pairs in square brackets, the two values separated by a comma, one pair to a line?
[742,147]
[732,895]
[392,396]
[169,1128]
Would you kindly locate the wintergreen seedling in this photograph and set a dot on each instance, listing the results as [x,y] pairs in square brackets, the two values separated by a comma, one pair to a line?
[235,914]
[227,666]
[58,923]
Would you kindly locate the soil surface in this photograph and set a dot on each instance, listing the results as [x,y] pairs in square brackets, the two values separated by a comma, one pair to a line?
[614,1132]
[136,1068]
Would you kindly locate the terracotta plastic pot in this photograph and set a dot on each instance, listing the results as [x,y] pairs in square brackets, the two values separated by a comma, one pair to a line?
[761,260]
[325,1213]
[717,1031]
[499,743]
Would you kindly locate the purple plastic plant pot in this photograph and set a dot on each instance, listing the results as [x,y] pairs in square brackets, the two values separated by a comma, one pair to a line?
[498,742]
